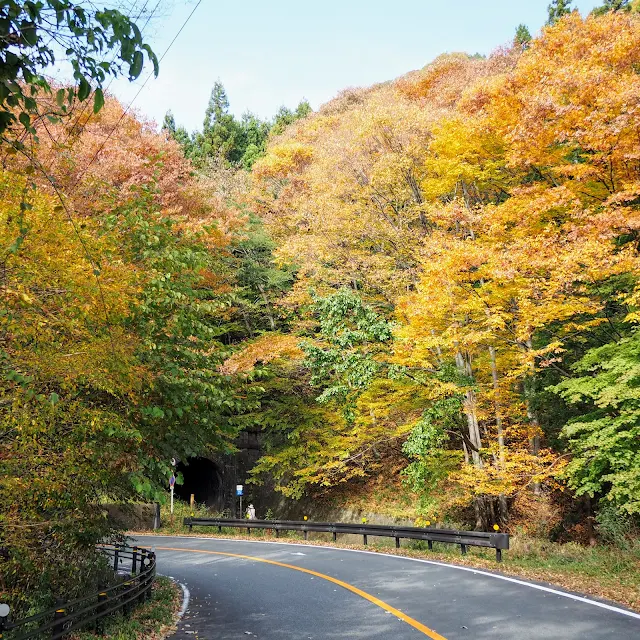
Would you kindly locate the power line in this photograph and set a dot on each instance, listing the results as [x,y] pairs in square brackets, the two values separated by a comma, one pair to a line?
[144,84]
[87,103]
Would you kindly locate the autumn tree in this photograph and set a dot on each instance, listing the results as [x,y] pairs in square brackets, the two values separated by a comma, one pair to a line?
[497,229]
[29,30]
[117,299]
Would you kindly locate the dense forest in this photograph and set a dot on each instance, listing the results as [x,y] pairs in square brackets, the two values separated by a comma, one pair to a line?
[431,282]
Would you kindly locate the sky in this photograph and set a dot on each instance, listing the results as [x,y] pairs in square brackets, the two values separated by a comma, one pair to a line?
[269,54]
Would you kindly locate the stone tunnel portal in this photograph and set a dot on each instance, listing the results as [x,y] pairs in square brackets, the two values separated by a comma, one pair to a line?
[203,478]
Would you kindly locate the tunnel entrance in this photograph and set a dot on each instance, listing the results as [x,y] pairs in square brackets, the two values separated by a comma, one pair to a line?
[203,478]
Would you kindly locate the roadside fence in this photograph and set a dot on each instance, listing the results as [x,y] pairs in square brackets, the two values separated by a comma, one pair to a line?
[497,541]
[139,567]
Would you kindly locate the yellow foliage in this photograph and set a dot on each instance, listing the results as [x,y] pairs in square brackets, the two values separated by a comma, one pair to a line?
[483,200]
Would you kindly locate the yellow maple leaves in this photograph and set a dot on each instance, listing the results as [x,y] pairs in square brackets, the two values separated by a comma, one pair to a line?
[486,201]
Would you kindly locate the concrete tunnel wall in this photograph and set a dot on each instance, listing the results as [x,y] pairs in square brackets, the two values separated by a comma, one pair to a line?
[213,480]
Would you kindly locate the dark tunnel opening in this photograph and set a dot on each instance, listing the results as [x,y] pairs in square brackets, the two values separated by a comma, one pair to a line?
[202,478]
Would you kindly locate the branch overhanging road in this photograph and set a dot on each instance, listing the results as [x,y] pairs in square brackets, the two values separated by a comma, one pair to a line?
[278,591]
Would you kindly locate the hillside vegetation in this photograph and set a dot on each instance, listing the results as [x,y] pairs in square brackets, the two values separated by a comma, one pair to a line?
[425,295]
[465,304]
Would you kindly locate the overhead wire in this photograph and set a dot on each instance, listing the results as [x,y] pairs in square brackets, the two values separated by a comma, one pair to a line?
[125,111]
[87,103]
[53,183]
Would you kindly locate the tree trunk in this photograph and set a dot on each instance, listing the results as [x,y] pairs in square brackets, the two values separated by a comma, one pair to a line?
[496,401]
[464,366]
[267,306]
[490,510]
[534,438]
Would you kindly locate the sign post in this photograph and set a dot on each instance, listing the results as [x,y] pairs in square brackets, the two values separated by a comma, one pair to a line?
[239,489]
[172,482]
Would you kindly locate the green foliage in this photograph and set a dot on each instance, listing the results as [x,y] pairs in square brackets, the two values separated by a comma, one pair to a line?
[615,527]
[605,438]
[259,282]
[221,132]
[351,333]
[285,116]
[557,9]
[239,143]
[430,459]
[523,35]
[169,123]
[85,34]
[178,319]
[612,5]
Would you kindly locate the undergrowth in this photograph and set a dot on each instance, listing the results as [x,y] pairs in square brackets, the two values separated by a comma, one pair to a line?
[151,620]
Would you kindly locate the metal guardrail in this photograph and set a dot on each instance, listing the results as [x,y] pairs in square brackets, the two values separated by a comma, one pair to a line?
[59,621]
[497,541]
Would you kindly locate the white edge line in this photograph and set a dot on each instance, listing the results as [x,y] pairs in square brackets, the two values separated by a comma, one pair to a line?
[186,596]
[539,587]
[185,601]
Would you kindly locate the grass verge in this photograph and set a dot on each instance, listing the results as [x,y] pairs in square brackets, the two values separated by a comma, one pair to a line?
[602,572]
[153,620]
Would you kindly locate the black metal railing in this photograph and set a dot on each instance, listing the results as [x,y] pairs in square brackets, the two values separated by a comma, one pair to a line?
[497,541]
[134,587]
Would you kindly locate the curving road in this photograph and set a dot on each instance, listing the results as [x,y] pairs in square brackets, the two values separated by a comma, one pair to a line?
[242,589]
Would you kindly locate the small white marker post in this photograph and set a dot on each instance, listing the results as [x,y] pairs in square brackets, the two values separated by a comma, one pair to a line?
[172,482]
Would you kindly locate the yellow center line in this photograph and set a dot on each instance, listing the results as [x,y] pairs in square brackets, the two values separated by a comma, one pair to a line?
[363,594]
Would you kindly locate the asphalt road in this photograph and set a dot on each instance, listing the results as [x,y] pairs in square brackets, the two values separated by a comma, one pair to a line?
[284,591]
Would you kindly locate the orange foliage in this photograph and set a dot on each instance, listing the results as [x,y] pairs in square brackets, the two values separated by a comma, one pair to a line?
[485,200]
[100,161]
[266,349]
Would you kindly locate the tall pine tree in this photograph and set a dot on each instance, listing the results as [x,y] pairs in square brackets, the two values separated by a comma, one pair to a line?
[523,36]
[557,9]
[218,106]
[612,6]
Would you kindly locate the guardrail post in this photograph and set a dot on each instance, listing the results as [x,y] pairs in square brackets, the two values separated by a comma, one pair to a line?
[431,535]
[102,597]
[58,629]
[116,556]
[126,607]
[134,561]
[141,580]
[219,528]
[190,527]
